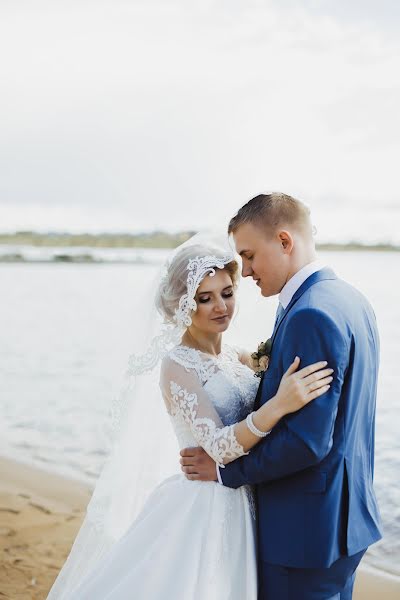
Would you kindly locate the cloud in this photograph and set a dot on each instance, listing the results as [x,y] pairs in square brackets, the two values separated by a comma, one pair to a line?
[154,114]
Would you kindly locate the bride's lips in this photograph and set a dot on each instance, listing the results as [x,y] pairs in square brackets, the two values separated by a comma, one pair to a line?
[222,318]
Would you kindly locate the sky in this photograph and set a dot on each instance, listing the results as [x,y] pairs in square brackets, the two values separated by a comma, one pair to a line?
[135,115]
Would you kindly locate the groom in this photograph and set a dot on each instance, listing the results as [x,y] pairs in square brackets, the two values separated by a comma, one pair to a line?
[317,511]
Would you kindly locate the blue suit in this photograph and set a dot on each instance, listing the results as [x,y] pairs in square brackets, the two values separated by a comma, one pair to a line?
[317,511]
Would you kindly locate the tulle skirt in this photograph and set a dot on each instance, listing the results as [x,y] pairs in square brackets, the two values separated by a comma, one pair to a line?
[191,541]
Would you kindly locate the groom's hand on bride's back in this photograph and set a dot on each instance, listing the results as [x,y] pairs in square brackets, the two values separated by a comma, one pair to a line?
[197,465]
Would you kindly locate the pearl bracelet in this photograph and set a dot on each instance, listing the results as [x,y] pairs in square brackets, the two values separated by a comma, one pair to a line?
[253,428]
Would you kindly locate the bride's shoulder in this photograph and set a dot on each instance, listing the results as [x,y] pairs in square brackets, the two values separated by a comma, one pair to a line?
[182,355]
[187,364]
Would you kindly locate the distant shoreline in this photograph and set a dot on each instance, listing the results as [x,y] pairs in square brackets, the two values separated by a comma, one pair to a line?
[65,255]
[118,241]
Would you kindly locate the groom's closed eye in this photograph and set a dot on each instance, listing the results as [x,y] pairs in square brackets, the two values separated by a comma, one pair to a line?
[247,256]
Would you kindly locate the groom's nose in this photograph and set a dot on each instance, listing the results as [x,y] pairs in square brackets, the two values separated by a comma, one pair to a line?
[247,271]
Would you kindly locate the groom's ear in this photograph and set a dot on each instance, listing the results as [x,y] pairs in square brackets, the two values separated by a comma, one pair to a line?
[286,241]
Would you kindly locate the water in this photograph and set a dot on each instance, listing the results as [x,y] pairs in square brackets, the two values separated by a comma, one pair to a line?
[66,331]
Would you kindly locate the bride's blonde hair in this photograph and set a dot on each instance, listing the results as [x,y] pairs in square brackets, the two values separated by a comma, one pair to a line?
[174,284]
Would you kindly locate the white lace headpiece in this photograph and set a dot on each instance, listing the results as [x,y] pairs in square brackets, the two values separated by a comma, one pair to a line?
[171,333]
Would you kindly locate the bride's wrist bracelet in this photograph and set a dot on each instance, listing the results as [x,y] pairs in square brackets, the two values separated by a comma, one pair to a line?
[253,428]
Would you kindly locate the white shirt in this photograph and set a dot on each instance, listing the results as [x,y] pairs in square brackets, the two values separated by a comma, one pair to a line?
[291,286]
[287,293]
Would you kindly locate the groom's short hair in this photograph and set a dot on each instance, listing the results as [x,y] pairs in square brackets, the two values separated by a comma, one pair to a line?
[272,211]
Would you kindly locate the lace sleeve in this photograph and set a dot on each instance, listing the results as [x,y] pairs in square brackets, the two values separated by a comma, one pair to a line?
[185,396]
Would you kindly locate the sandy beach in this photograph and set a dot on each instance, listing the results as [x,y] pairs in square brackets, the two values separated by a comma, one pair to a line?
[40,514]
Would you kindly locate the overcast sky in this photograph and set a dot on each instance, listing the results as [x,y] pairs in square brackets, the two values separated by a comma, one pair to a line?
[141,114]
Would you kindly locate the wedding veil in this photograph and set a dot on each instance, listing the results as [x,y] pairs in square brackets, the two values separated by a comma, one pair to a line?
[144,450]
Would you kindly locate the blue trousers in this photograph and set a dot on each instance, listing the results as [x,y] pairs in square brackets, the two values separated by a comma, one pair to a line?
[285,583]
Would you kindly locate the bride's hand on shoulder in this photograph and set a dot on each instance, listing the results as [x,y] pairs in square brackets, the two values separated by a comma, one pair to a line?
[245,358]
[298,388]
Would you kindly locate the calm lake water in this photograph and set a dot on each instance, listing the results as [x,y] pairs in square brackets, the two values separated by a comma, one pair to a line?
[66,332]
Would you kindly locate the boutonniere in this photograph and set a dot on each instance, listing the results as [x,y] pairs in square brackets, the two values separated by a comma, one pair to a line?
[260,358]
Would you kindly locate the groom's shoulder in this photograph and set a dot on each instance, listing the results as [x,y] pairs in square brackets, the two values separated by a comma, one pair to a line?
[333,299]
[333,291]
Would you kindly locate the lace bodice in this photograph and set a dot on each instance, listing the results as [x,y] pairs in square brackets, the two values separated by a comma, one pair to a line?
[205,396]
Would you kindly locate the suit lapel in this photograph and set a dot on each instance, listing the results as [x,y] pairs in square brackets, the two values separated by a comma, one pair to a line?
[321,275]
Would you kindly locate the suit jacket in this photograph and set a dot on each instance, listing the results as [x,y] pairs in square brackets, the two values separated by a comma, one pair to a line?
[314,472]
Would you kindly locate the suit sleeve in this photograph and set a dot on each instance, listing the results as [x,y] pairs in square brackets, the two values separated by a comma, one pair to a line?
[305,438]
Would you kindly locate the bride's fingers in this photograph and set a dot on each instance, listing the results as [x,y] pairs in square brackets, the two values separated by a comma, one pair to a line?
[317,376]
[317,393]
[305,371]
[294,366]
[320,383]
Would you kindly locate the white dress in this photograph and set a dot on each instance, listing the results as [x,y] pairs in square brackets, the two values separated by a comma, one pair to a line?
[192,540]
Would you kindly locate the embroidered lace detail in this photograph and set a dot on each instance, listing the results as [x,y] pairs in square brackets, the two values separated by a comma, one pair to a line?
[190,358]
[242,377]
[227,362]
[171,333]
[205,396]
[220,443]
[198,267]
[138,364]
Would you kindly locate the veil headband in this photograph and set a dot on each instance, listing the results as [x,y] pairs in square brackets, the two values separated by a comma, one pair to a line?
[172,332]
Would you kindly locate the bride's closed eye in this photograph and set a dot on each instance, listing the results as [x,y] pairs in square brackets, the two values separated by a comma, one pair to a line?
[205,299]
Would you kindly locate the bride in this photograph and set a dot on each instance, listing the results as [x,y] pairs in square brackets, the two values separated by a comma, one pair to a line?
[186,539]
